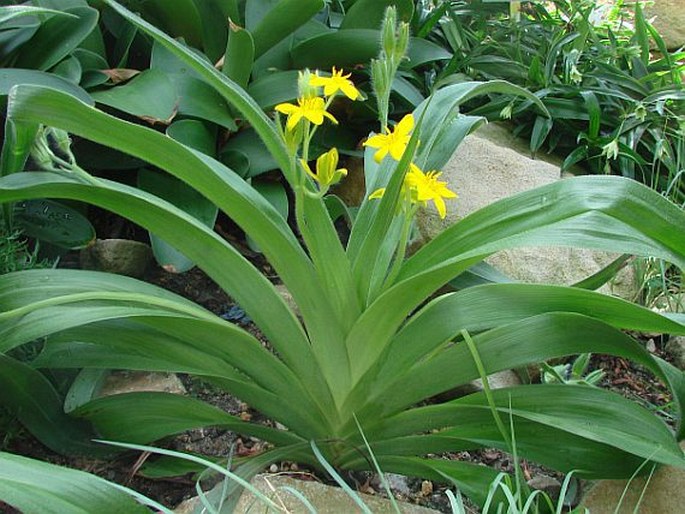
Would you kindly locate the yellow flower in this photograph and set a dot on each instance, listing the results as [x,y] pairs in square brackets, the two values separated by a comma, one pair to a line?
[423,187]
[394,142]
[426,187]
[326,172]
[313,109]
[336,82]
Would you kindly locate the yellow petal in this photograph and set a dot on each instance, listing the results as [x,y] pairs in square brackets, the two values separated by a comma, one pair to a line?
[309,171]
[286,108]
[293,119]
[378,193]
[376,141]
[406,125]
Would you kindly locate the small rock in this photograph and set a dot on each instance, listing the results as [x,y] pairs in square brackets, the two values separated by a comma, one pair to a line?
[398,484]
[499,380]
[119,382]
[651,346]
[676,349]
[273,468]
[549,485]
[288,298]
[120,256]
[426,488]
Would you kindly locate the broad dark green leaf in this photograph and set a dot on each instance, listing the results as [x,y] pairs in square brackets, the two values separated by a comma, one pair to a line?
[348,48]
[274,88]
[214,24]
[69,69]
[150,95]
[180,18]
[27,394]
[9,12]
[200,136]
[57,37]
[184,197]
[247,142]
[199,100]
[239,55]
[284,18]
[54,223]
[368,14]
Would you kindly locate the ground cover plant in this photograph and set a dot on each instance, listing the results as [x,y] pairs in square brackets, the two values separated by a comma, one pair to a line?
[616,104]
[369,344]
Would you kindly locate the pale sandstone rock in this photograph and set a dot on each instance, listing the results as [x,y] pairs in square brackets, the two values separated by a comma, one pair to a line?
[492,164]
[664,494]
[119,382]
[669,20]
[325,499]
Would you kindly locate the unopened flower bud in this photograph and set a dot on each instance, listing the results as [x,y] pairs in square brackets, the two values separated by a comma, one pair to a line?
[388,41]
[304,88]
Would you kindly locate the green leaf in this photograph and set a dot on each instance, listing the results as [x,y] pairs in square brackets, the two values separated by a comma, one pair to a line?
[196,134]
[185,198]
[57,37]
[249,145]
[199,100]
[70,69]
[149,95]
[541,129]
[33,399]
[281,20]
[54,223]
[239,55]
[582,211]
[10,12]
[368,14]
[274,88]
[194,97]
[214,24]
[10,77]
[199,136]
[347,48]
[178,17]
[36,487]
[145,417]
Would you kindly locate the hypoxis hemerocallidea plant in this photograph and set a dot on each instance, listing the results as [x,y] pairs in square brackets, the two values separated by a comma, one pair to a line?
[367,348]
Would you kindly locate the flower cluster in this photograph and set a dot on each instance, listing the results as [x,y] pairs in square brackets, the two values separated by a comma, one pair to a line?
[421,187]
[311,109]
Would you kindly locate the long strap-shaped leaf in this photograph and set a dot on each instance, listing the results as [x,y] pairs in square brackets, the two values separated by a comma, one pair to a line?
[228,191]
[484,307]
[29,395]
[147,416]
[604,213]
[221,262]
[219,339]
[329,252]
[530,340]
[37,487]
[588,412]
[538,442]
